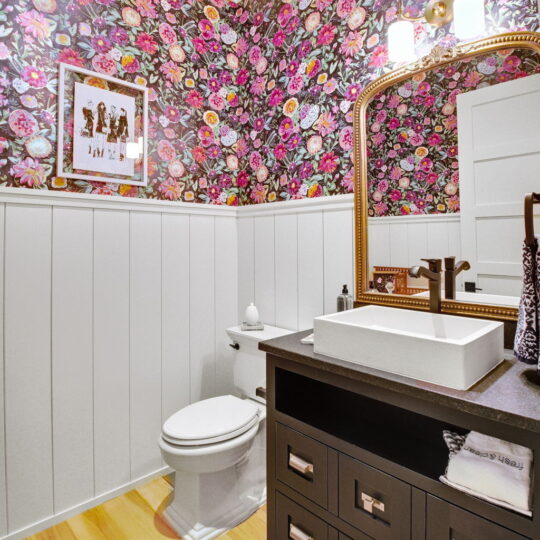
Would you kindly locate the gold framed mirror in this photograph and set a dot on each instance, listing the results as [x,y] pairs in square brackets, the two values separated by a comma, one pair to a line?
[420,166]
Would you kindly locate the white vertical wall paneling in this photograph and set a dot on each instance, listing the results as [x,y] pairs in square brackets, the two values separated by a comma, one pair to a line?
[379,245]
[265,286]
[175,313]
[310,268]
[437,240]
[338,255]
[145,341]
[246,264]
[111,349]
[418,245]
[399,255]
[72,362]
[28,364]
[226,294]
[202,330]
[286,269]
[3,507]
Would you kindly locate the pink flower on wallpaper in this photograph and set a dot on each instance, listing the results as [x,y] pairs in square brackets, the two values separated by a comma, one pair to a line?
[171,189]
[22,123]
[352,43]
[511,63]
[285,13]
[346,138]
[326,124]
[379,56]
[206,28]
[348,180]
[167,33]
[216,101]
[35,24]
[328,162]
[326,34]
[258,193]
[200,45]
[280,151]
[30,172]
[286,128]
[275,97]
[194,99]
[35,77]
[257,87]
[295,84]
[255,160]
[242,179]
[147,8]
[103,63]
[146,43]
[166,150]
[279,38]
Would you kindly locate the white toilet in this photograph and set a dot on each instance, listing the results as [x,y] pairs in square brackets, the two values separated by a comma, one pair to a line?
[217,448]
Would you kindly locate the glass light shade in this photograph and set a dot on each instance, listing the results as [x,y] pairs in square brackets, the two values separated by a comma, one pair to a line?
[401,42]
[469,18]
[132,150]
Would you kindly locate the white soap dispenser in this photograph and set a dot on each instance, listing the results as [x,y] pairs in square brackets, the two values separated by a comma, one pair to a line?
[252,315]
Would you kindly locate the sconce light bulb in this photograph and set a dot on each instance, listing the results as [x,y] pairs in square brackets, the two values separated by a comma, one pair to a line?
[401,42]
[469,18]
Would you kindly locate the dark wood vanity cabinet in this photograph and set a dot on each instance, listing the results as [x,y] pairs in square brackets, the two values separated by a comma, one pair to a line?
[356,455]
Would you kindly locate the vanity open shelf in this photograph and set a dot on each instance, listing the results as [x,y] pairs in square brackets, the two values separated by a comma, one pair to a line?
[403,437]
[355,453]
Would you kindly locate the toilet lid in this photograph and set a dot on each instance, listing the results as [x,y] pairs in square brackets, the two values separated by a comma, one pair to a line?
[211,420]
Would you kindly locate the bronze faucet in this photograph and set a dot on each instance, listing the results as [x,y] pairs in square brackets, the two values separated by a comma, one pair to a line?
[451,270]
[433,273]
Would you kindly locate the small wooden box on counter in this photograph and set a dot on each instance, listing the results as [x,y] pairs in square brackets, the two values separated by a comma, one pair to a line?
[355,453]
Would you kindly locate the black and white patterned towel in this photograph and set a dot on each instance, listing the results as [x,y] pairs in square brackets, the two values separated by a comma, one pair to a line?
[527,340]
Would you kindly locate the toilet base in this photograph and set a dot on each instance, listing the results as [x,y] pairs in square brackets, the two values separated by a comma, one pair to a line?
[198,531]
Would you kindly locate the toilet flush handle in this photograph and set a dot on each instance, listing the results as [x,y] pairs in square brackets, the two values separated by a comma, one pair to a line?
[235,346]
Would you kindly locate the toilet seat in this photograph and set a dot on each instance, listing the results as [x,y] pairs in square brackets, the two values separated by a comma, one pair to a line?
[210,421]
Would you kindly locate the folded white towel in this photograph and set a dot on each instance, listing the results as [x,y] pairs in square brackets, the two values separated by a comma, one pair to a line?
[494,470]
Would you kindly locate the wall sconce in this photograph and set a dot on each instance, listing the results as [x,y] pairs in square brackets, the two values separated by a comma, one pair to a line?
[468,16]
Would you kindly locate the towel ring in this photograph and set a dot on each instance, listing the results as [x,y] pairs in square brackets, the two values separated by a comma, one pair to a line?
[530,200]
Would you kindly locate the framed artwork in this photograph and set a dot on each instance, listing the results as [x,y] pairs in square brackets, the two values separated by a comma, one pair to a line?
[102,128]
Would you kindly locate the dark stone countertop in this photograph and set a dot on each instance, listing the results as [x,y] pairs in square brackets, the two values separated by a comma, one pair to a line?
[505,395]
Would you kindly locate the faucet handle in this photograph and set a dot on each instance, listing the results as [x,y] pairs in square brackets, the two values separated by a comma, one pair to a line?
[435,265]
[449,263]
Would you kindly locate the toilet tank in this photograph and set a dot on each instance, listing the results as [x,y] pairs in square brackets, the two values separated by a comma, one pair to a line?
[249,362]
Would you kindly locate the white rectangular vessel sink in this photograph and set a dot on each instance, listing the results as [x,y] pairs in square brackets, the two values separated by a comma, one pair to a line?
[451,351]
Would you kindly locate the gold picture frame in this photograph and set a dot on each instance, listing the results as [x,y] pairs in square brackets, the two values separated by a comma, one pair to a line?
[439,56]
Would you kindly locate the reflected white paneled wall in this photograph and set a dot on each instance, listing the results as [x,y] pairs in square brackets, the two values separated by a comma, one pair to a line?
[294,258]
[404,240]
[114,318]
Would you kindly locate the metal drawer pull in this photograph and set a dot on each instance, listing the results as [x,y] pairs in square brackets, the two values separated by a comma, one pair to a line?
[298,534]
[370,503]
[299,464]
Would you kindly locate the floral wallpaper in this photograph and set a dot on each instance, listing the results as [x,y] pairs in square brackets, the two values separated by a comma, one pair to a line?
[413,140]
[309,61]
[250,102]
[184,51]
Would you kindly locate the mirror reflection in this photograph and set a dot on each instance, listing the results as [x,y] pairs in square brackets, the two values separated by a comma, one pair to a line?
[451,154]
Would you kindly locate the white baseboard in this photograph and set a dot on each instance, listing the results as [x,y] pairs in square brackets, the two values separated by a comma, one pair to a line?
[79,508]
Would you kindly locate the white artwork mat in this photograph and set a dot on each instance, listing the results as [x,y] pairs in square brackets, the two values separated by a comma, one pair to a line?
[103,123]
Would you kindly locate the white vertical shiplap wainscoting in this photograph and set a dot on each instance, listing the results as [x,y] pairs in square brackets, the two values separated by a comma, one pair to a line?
[114,317]
[294,257]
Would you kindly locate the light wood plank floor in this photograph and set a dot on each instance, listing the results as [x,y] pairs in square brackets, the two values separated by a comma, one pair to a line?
[137,516]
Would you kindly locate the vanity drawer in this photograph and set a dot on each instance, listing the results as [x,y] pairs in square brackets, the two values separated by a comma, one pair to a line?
[295,523]
[302,463]
[374,502]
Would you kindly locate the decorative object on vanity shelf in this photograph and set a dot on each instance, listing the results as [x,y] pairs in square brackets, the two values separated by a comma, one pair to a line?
[102,126]
[251,317]
[527,341]
[345,300]
[468,16]
[418,187]
[491,469]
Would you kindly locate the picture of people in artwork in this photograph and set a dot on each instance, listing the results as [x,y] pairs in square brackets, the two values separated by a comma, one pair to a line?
[104,121]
